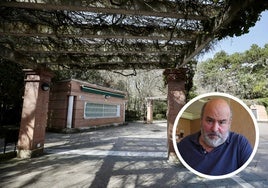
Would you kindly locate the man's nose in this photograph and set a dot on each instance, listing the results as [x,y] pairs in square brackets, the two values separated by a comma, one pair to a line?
[215,126]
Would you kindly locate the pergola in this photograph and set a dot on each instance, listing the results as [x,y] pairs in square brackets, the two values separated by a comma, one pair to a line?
[118,34]
[112,35]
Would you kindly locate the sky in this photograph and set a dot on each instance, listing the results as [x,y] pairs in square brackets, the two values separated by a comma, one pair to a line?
[257,35]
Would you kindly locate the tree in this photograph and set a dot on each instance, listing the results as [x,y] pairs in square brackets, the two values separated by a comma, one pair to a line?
[138,85]
[241,74]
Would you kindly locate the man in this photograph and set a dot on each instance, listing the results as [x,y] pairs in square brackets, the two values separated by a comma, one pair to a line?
[215,150]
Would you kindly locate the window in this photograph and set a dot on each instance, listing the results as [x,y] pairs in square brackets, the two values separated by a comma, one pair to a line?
[254,111]
[94,110]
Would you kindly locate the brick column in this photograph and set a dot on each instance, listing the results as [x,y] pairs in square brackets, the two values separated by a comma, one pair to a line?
[175,79]
[34,113]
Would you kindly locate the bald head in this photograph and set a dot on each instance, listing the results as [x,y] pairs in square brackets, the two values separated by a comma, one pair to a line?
[218,106]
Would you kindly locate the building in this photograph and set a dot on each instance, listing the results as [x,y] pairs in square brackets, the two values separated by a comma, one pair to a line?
[259,112]
[78,104]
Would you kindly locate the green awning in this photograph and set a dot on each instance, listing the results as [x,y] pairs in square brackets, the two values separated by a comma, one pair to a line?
[101,92]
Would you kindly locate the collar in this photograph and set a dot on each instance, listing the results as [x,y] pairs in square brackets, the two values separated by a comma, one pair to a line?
[195,138]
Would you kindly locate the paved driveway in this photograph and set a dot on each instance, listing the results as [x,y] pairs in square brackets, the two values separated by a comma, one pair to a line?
[133,155]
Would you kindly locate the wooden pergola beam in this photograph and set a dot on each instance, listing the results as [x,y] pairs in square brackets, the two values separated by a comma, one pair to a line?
[98,53]
[20,28]
[102,10]
[88,36]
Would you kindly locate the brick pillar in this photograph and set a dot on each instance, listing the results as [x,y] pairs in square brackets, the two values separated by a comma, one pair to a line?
[149,118]
[175,79]
[34,113]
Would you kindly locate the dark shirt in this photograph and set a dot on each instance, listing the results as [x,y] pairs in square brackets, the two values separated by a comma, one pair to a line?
[224,159]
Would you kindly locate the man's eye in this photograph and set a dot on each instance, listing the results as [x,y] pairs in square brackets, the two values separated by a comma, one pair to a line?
[222,122]
[209,120]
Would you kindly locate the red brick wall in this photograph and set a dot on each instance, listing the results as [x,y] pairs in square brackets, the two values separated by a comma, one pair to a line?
[34,113]
[59,104]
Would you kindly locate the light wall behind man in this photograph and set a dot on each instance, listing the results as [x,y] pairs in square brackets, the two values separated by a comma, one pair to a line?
[241,123]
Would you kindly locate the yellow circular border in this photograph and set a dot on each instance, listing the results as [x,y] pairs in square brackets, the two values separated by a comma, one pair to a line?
[219,95]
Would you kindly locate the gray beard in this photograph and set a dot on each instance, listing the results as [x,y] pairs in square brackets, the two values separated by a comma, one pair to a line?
[214,142]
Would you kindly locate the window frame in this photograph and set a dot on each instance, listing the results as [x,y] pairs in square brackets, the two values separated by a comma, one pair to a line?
[105,110]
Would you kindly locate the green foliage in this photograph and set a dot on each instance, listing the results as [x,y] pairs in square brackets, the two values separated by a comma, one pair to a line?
[192,93]
[241,74]
[264,102]
[91,76]
[160,109]
[132,115]
[159,117]
[244,19]
[11,91]
[85,75]
[190,72]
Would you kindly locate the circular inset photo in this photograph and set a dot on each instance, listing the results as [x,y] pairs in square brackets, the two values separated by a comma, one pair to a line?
[215,135]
